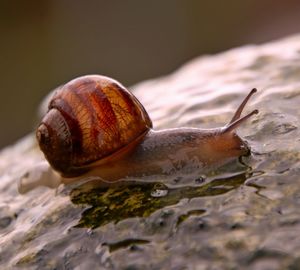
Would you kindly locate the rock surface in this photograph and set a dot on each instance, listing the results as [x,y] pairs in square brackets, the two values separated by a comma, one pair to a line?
[244,216]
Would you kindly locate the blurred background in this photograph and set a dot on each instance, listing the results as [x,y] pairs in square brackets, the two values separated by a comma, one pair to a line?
[46,43]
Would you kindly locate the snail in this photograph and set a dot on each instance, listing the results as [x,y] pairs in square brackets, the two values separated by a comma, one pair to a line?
[95,126]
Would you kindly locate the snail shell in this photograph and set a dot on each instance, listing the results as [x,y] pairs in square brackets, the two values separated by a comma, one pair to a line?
[89,119]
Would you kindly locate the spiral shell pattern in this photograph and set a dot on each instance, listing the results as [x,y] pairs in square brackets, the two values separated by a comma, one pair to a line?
[101,117]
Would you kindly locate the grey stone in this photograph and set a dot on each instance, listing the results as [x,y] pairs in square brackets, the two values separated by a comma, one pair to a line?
[246,216]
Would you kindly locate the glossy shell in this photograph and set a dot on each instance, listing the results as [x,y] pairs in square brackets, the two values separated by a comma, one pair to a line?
[89,119]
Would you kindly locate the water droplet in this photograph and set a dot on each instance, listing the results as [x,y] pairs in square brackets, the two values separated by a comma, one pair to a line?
[5,222]
[284,128]
[90,232]
[159,191]
[177,179]
[200,179]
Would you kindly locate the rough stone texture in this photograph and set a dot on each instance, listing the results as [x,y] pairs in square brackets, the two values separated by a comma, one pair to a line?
[244,216]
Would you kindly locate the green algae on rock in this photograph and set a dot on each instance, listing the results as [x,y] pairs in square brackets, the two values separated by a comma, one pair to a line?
[122,201]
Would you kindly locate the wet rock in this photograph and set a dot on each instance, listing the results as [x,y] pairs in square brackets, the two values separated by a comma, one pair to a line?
[242,215]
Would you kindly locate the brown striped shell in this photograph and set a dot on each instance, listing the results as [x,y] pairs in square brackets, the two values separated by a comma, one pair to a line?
[89,119]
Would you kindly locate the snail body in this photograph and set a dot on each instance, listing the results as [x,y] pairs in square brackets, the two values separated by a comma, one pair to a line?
[95,127]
